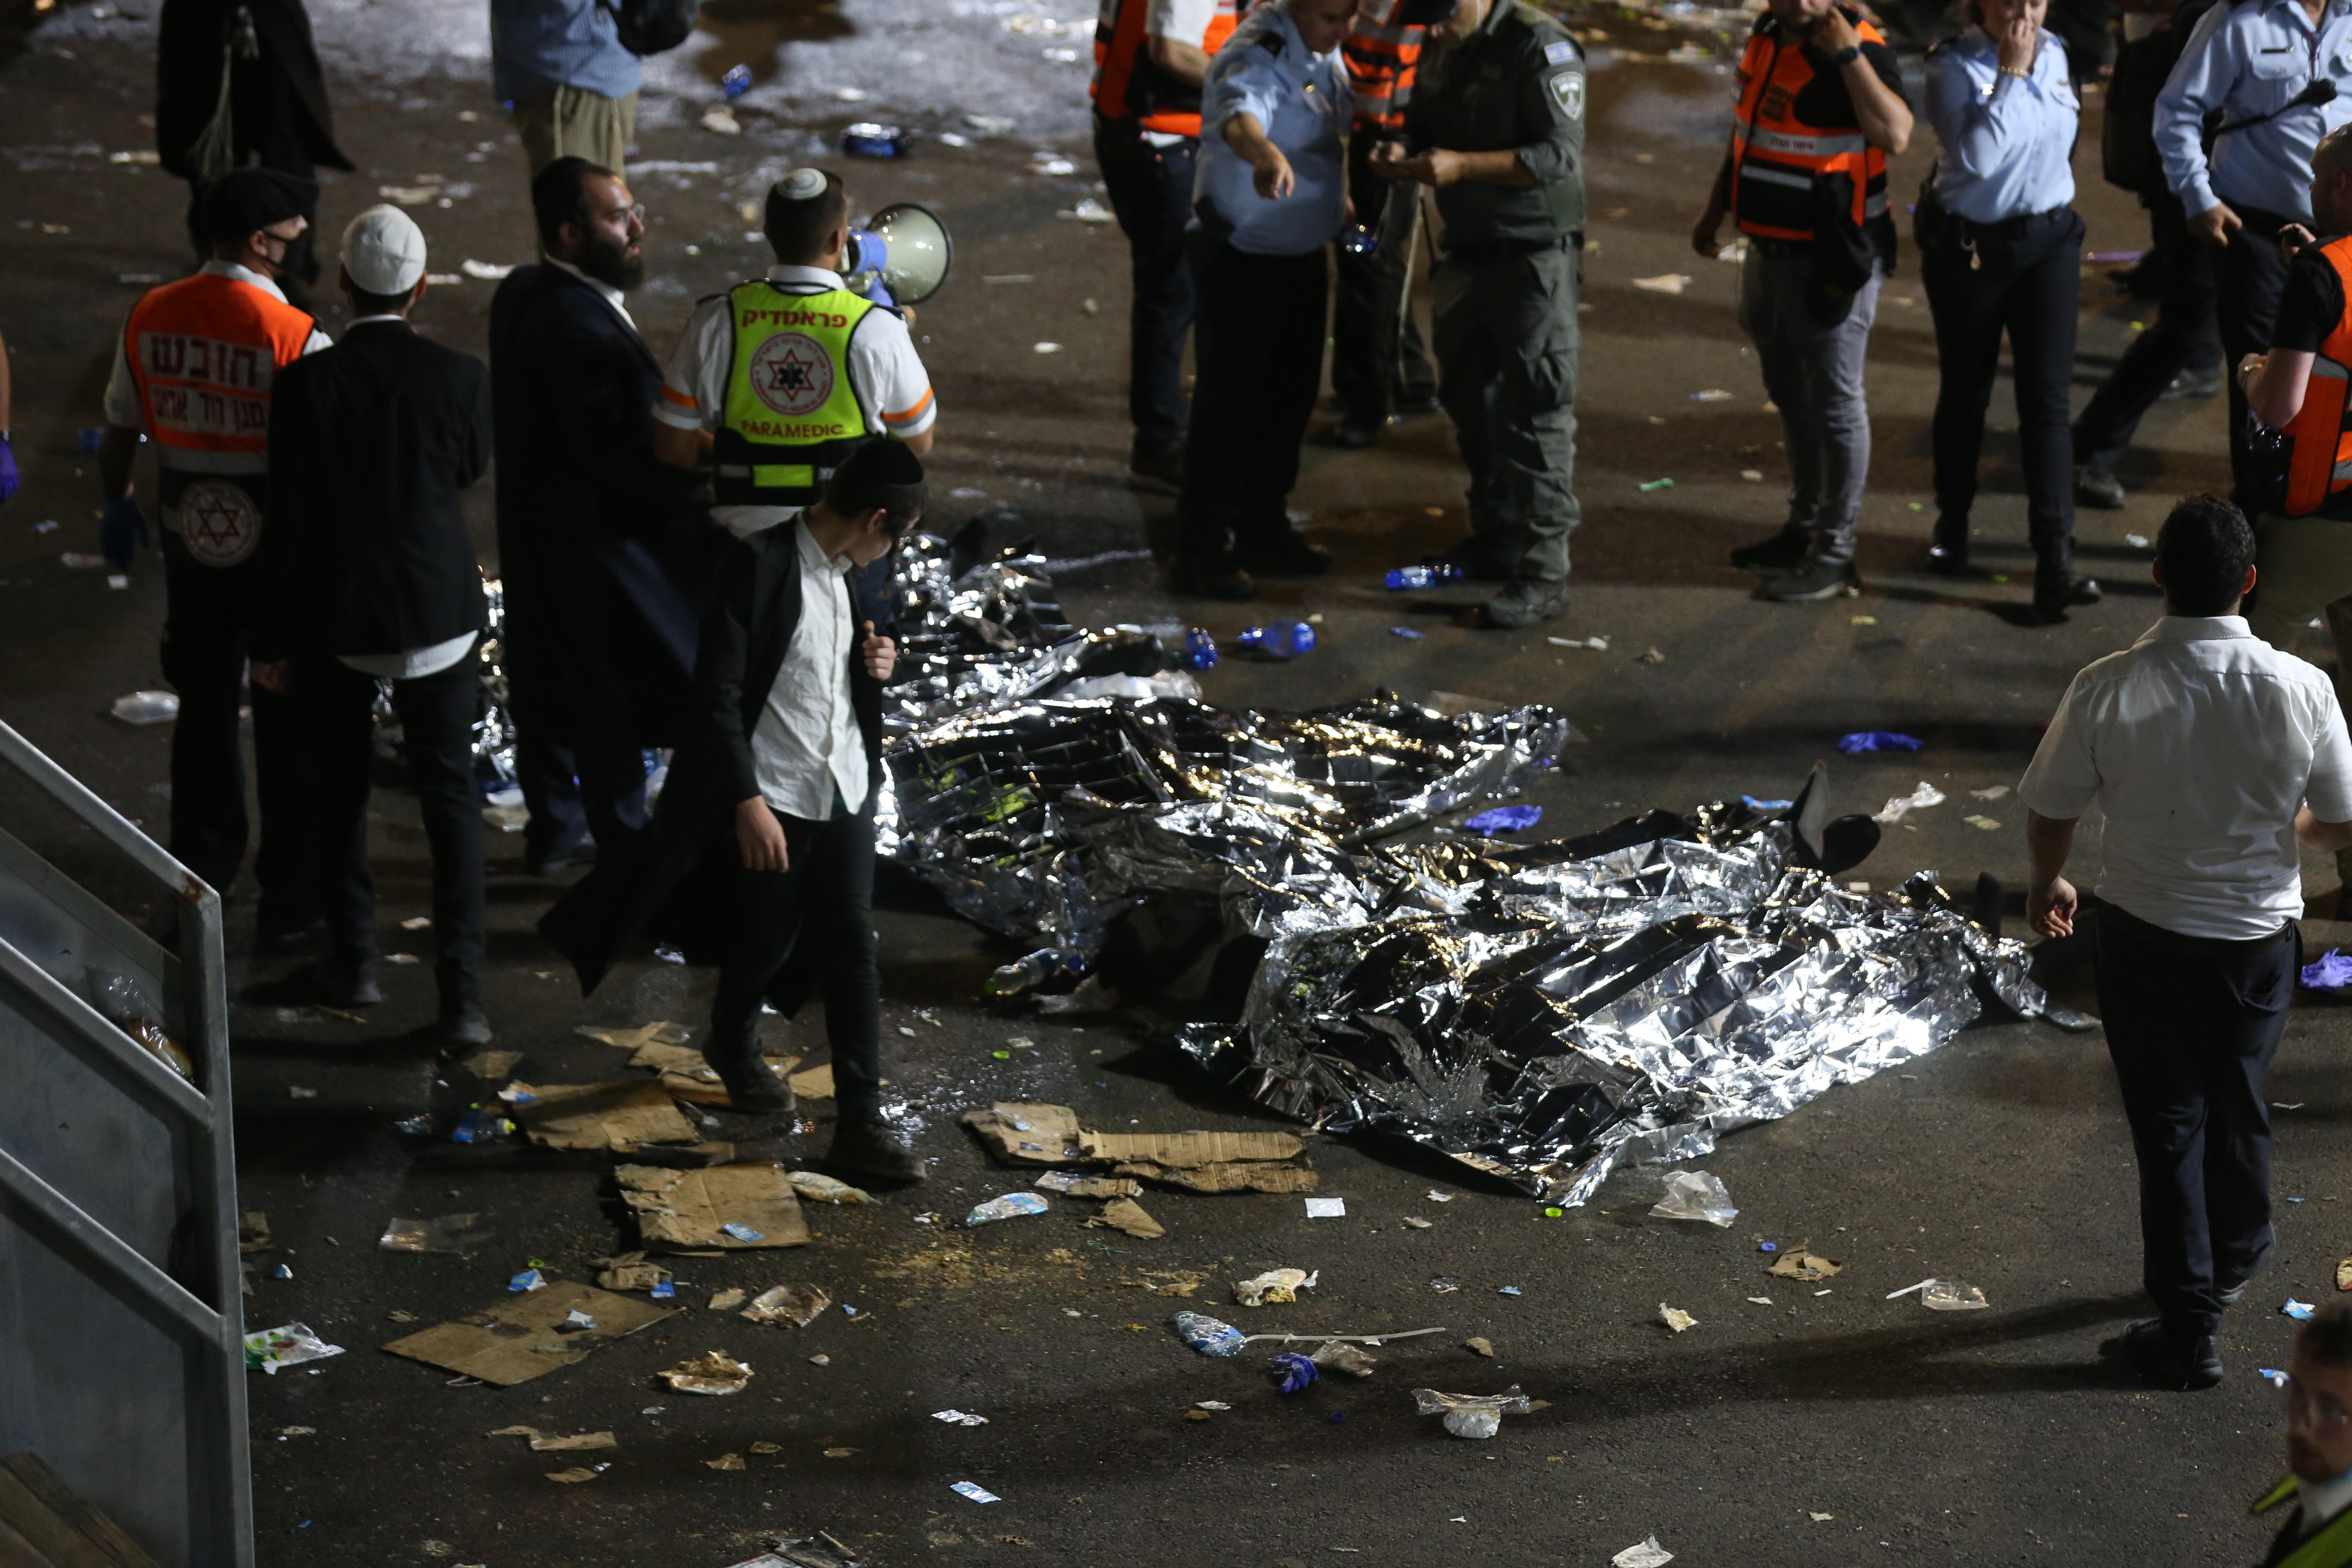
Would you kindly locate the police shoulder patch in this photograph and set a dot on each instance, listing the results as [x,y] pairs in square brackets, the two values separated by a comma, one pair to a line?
[1568,91]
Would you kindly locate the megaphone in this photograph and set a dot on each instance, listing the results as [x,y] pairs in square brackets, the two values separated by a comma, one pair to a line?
[900,257]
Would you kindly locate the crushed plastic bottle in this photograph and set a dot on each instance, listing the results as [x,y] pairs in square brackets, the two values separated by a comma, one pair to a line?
[479,1126]
[1199,649]
[1475,1416]
[869,139]
[1402,579]
[1277,639]
[1023,974]
[1209,1335]
[736,82]
[1012,1206]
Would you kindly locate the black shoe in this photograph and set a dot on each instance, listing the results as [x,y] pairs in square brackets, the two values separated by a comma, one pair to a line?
[463,1023]
[1159,473]
[1286,554]
[347,979]
[284,933]
[1214,579]
[1351,434]
[1524,601]
[2098,489]
[751,1084]
[563,858]
[1476,564]
[1813,582]
[2191,384]
[2165,1362]
[866,1148]
[1947,548]
[1419,406]
[2055,586]
[1784,551]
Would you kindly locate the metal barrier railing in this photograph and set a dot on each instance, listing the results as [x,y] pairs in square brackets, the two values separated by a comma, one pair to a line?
[121,1327]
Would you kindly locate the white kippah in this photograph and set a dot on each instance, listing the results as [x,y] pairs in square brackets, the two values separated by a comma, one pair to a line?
[802,185]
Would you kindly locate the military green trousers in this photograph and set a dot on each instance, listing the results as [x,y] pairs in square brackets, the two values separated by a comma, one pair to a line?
[1506,341]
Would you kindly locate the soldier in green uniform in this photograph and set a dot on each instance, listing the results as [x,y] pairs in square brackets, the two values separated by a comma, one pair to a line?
[1496,127]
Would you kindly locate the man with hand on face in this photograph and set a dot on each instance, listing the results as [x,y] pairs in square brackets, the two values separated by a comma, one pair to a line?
[1496,127]
[603,549]
[2318,1533]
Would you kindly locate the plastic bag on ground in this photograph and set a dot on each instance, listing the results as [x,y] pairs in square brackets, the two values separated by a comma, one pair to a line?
[1951,1296]
[1274,1286]
[1646,1553]
[714,1374]
[1695,1194]
[289,1346]
[1895,810]
[785,1304]
[1012,1206]
[1475,1416]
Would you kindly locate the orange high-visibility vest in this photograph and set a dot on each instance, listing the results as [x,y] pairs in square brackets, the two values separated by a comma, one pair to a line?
[1127,85]
[203,353]
[1381,54]
[1777,159]
[2319,461]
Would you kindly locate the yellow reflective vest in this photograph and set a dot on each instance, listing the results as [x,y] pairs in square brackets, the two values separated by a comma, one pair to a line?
[2331,1548]
[793,411]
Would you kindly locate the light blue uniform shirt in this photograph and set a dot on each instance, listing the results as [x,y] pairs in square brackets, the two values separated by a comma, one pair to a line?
[1304,103]
[2008,141]
[2248,59]
[537,45]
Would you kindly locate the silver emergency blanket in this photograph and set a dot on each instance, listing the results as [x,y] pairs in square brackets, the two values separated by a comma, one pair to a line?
[1540,1012]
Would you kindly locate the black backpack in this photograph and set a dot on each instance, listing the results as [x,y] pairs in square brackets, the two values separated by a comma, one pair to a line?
[652,26]
[2127,156]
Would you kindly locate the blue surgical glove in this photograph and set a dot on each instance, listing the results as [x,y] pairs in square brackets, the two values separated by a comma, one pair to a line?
[121,532]
[7,471]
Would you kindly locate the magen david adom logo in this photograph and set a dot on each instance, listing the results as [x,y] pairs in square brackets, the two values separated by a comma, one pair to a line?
[792,374]
[218,523]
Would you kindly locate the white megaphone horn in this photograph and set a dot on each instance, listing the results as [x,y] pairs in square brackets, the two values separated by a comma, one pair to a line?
[900,257]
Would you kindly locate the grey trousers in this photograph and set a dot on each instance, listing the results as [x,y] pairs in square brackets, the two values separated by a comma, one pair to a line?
[1813,373]
[1507,339]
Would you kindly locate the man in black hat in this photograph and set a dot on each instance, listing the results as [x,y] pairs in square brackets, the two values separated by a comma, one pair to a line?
[192,371]
[238,84]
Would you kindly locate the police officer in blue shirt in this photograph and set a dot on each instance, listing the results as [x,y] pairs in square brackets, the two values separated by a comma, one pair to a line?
[2259,83]
[1998,240]
[1269,192]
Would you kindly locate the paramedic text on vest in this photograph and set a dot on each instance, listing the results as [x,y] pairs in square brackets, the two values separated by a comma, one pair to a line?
[2299,386]
[193,372]
[1819,108]
[778,380]
[1151,57]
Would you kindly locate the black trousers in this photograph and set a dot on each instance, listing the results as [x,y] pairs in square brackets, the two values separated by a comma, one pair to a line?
[2253,276]
[1257,353]
[1376,357]
[2026,282]
[1150,191]
[437,713]
[825,897]
[208,612]
[2192,1025]
[594,789]
[2185,335]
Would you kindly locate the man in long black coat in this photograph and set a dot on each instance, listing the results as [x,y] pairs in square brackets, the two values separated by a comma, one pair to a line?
[603,549]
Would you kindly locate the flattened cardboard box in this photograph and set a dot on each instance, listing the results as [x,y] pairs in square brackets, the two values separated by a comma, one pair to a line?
[514,1339]
[618,1115]
[1028,1134]
[1198,1162]
[679,1210]
[686,1076]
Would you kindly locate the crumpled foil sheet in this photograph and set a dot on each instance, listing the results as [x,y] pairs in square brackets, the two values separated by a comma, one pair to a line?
[1540,1012]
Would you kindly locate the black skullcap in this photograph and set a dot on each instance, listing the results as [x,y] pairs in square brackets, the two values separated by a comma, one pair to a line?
[245,199]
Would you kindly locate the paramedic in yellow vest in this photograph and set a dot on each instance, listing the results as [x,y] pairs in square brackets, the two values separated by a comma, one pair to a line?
[1819,108]
[2318,1529]
[781,378]
[193,369]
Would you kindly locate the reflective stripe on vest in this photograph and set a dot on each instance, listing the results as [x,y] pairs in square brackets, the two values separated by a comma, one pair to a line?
[1381,55]
[793,411]
[1129,86]
[204,352]
[2319,456]
[1777,160]
[2331,1548]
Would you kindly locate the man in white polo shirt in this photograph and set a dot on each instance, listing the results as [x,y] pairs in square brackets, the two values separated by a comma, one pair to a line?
[2212,755]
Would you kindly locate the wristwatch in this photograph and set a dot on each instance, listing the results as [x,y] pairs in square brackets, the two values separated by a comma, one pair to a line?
[1846,55]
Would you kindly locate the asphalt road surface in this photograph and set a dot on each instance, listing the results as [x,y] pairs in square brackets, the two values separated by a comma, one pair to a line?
[1830,1425]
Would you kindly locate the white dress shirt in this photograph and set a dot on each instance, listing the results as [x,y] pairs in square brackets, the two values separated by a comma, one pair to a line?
[2201,740]
[807,744]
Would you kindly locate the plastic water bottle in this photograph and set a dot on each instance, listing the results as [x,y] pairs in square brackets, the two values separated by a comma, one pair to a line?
[1279,639]
[1401,578]
[736,82]
[1199,649]
[1033,971]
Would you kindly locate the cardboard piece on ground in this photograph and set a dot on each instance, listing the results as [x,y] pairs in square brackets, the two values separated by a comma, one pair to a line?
[492,1066]
[678,1209]
[686,1076]
[816,1083]
[1190,1151]
[1253,1177]
[1127,1214]
[42,1516]
[577,1441]
[618,1116]
[514,1339]
[1796,1263]
[667,1034]
[629,1271]
[253,1232]
[1090,1187]
[1028,1134]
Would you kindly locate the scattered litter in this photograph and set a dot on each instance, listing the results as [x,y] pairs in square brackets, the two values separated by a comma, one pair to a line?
[721,119]
[1862,620]
[575,1475]
[723,1206]
[1712,394]
[567,1445]
[1919,799]
[1437,1197]
[825,1189]
[1862,741]
[529,1279]
[1127,1214]
[1508,1290]
[1046,348]
[1990,792]
[713,1374]
[1443,1285]
[2299,1310]
[289,1346]
[975,1491]
[2136,541]
[295,1091]
[1648,487]
[1675,1318]
[1761,1301]
[958,1419]
[1651,656]
[1415,1221]
[617,1115]
[281,1272]
[1292,1371]
[1327,1208]
[743,1232]
[2343,1275]
[488,271]
[146,707]
[1480,1345]
[1665,283]
[1475,1415]
[1646,1553]
[1952,1296]
[2331,971]
[631,1271]
[460,1234]
[1695,1194]
[1273,1287]
[785,1304]
[1209,1336]
[1088,210]
[1012,1206]
[511,1342]
[726,1462]
[1071,1184]
[1505,820]
[75,560]
[2276,1378]
[1981,823]
[1198,1162]
[820,1361]
[1046,165]
[1338,1357]
[2284,1105]
[1923,1284]
[1410,634]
